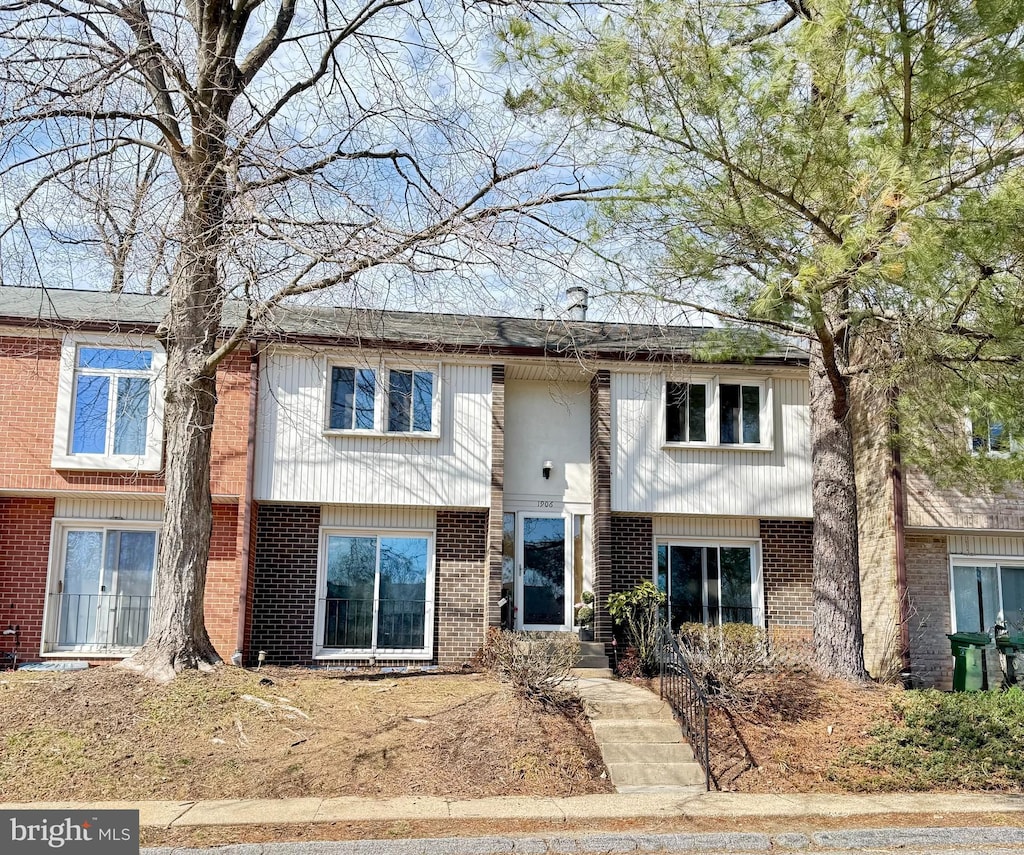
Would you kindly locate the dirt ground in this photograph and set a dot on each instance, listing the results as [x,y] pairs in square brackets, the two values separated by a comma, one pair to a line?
[794,738]
[108,734]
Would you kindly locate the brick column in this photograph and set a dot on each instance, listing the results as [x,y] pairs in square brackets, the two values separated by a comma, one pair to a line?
[786,566]
[601,484]
[632,549]
[461,560]
[284,583]
[495,519]
[24,556]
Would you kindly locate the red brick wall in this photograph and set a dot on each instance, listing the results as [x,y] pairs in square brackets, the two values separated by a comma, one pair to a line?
[461,561]
[24,555]
[284,583]
[786,560]
[222,581]
[29,368]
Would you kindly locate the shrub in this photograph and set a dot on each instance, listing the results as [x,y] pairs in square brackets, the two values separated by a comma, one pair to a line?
[724,658]
[535,668]
[584,614]
[638,612]
[941,741]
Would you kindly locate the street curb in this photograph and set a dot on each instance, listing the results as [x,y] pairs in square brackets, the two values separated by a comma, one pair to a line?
[925,840]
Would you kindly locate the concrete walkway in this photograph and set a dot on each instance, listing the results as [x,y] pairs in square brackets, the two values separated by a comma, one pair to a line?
[169,814]
[641,742]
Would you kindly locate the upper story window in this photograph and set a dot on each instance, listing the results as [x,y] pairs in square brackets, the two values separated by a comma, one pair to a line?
[109,407]
[717,412]
[990,436]
[386,400]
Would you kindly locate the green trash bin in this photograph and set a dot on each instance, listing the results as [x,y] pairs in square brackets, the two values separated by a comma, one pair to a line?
[968,665]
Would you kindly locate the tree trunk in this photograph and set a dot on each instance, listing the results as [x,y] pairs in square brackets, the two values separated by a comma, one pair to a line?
[178,639]
[838,635]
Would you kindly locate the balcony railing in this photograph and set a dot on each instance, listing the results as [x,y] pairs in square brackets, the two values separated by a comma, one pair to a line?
[102,622]
[400,624]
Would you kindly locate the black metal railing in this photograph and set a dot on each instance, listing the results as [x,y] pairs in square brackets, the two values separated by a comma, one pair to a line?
[349,624]
[686,697]
[99,622]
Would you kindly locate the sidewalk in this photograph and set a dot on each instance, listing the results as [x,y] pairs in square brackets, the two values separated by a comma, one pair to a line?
[167,814]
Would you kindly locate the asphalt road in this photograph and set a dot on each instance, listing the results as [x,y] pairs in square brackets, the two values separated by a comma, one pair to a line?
[881,841]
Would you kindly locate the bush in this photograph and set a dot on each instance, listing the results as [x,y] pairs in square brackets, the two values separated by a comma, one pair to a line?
[638,612]
[947,741]
[535,668]
[724,658]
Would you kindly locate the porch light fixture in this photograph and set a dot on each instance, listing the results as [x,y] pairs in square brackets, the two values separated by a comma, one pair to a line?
[546,469]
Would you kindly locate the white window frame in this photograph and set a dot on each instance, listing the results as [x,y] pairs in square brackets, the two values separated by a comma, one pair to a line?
[62,457]
[328,653]
[382,396]
[996,561]
[756,570]
[59,529]
[1013,446]
[713,384]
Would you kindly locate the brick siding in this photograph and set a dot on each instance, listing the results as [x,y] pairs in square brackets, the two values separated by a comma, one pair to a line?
[461,560]
[632,551]
[931,663]
[29,371]
[222,581]
[495,520]
[786,561]
[284,583]
[601,484]
[24,556]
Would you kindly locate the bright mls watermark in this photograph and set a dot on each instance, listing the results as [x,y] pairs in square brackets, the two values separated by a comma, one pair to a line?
[82,832]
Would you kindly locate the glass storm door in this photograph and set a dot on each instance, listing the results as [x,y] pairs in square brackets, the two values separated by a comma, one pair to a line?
[542,571]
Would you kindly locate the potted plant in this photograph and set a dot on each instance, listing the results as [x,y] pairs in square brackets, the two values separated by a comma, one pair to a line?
[585,616]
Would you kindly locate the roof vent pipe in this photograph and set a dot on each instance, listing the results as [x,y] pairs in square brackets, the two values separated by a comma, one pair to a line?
[578,297]
[538,313]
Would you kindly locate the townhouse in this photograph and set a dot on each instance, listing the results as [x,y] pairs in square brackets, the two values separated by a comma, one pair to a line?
[387,485]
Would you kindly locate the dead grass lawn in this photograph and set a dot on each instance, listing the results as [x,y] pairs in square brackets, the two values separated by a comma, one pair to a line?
[107,734]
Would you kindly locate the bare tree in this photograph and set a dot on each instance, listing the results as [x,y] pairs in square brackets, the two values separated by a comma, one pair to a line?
[253,150]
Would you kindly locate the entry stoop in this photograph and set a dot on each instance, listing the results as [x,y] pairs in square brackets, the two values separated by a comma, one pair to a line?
[592,662]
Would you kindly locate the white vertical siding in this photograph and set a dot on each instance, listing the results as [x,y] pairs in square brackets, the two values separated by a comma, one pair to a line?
[142,510]
[547,420]
[725,528]
[986,545]
[297,462]
[349,516]
[648,477]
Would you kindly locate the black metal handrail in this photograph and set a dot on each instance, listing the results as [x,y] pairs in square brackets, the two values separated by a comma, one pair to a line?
[100,622]
[686,697]
[400,624]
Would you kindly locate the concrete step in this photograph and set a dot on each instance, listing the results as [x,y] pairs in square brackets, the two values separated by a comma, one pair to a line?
[640,730]
[592,662]
[591,673]
[592,648]
[628,709]
[663,789]
[655,774]
[646,752]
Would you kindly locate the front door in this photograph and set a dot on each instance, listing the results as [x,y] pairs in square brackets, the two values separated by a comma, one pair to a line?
[542,573]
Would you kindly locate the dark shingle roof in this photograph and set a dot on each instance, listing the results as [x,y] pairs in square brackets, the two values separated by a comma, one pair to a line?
[451,332]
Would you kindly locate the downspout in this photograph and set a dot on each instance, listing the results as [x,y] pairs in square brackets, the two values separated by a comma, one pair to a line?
[247,509]
[899,524]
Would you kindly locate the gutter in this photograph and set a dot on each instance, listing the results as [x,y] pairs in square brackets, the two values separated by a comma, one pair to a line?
[247,500]
[899,514]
